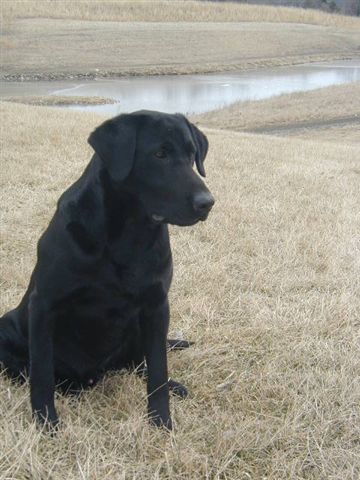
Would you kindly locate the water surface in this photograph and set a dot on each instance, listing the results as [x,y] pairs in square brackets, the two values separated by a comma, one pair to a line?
[192,93]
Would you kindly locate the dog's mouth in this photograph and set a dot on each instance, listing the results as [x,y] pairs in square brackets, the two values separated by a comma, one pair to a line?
[157,218]
[202,218]
[182,222]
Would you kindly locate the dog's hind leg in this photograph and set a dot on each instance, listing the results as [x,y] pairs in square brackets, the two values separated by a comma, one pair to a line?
[14,356]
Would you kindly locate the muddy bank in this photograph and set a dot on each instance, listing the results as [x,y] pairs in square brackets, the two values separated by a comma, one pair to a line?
[172,69]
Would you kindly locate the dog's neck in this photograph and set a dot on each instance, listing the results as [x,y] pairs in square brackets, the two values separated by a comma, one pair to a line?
[115,209]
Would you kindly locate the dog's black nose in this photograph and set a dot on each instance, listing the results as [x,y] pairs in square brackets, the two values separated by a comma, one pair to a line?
[203,202]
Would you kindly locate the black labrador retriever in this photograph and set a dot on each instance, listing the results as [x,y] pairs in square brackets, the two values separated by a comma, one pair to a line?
[98,295]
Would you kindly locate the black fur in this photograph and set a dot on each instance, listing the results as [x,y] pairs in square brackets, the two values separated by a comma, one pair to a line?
[98,296]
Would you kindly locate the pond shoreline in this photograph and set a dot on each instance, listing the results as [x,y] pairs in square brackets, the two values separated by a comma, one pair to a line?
[181,70]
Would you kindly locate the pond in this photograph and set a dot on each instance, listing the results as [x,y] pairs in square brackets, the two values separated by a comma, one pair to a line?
[192,93]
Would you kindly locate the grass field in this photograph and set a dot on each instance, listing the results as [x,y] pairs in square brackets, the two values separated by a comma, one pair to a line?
[331,114]
[45,40]
[168,11]
[347,132]
[268,288]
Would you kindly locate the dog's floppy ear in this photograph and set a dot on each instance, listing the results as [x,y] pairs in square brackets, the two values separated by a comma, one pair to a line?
[202,146]
[115,143]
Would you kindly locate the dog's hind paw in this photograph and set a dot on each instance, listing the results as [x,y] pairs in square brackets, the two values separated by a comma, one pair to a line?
[174,344]
[177,389]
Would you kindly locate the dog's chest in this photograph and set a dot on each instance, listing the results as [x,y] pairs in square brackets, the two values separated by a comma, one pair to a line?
[136,263]
[105,310]
[104,307]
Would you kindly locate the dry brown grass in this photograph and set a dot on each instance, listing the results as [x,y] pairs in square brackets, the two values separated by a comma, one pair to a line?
[55,49]
[46,39]
[169,11]
[347,133]
[314,114]
[6,43]
[268,288]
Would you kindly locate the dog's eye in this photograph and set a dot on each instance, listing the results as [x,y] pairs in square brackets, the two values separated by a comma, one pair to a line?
[161,153]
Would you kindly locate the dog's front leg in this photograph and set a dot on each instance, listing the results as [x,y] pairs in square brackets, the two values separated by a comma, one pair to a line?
[42,381]
[155,323]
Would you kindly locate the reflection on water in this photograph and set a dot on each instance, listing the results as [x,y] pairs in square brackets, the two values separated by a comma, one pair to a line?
[193,93]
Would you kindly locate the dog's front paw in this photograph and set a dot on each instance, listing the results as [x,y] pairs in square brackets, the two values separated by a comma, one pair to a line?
[160,421]
[49,421]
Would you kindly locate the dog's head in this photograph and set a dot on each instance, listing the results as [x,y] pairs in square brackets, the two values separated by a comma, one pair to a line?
[152,154]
